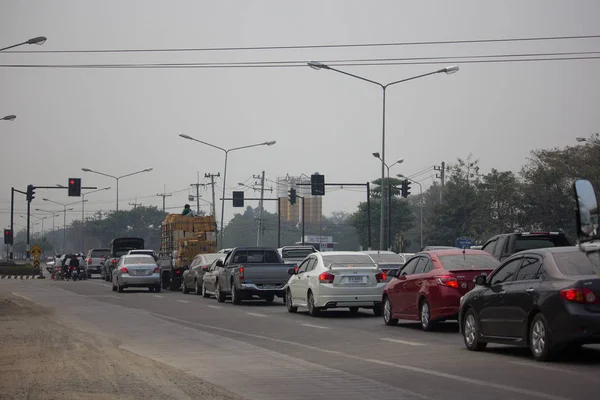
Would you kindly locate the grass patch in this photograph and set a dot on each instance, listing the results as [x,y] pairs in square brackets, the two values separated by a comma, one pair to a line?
[27,269]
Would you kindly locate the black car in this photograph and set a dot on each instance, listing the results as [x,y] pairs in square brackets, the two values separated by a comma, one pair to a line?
[546,299]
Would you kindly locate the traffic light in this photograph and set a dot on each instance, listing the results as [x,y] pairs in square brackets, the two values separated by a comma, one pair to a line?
[317,184]
[8,236]
[292,196]
[30,192]
[74,187]
[405,188]
[238,199]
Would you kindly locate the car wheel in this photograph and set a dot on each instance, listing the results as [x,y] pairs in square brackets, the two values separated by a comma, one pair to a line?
[270,299]
[471,333]
[312,310]
[235,295]
[353,310]
[157,289]
[425,316]
[218,294]
[114,288]
[288,302]
[185,290]
[204,292]
[540,339]
[387,313]
[377,310]
[198,288]
[119,287]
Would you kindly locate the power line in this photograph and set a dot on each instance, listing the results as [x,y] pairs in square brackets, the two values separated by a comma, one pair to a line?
[297,64]
[313,46]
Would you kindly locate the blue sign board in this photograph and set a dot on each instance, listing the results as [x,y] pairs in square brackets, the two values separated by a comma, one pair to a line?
[464,243]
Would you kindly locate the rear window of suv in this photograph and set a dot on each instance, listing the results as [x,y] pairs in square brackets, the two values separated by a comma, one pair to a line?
[575,263]
[100,253]
[468,261]
[540,242]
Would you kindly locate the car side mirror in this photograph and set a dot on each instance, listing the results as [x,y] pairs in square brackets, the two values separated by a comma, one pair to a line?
[480,280]
[219,263]
[587,210]
[291,271]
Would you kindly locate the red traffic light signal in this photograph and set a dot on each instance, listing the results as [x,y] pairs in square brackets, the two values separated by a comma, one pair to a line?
[8,236]
[75,187]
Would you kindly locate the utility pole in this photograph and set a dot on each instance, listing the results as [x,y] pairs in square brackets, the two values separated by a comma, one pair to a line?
[134,204]
[164,196]
[198,184]
[260,208]
[212,185]
[442,177]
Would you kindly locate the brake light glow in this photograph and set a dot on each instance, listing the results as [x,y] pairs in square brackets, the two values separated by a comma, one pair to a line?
[381,277]
[89,260]
[177,272]
[157,269]
[124,270]
[449,281]
[326,277]
[114,260]
[584,296]
[241,271]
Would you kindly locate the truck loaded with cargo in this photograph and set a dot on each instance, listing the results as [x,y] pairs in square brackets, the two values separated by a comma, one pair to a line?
[182,238]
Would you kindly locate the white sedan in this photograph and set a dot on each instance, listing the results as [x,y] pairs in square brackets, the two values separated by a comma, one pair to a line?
[335,279]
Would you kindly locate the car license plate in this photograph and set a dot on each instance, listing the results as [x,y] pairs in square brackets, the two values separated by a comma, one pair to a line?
[355,279]
[269,286]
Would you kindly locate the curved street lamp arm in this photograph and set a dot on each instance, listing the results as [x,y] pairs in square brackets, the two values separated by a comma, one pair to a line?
[134,173]
[100,173]
[93,191]
[357,77]
[56,202]
[200,141]
[416,77]
[246,147]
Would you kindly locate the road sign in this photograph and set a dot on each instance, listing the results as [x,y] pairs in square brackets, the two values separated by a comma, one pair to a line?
[464,243]
[36,262]
[36,251]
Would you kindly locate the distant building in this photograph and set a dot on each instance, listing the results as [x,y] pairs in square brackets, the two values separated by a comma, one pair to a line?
[292,213]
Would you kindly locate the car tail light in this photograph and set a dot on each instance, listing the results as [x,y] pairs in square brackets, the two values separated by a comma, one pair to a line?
[123,269]
[89,260]
[449,281]
[114,260]
[326,277]
[157,269]
[585,296]
[381,277]
[241,271]
[177,272]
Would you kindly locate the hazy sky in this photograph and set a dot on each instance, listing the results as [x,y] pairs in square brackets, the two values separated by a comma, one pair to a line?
[121,120]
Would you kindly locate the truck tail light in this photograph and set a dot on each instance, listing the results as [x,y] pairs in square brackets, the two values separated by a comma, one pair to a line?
[241,270]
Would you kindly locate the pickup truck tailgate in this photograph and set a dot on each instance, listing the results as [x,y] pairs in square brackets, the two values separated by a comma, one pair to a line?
[258,274]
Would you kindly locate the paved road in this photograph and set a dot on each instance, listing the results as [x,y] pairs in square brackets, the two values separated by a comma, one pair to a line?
[260,351]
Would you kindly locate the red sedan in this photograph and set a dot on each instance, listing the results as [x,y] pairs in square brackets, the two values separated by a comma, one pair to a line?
[429,286]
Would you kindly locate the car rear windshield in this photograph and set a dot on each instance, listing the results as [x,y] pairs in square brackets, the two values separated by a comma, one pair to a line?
[540,242]
[100,253]
[388,258]
[256,257]
[347,259]
[576,263]
[139,260]
[468,261]
[210,258]
[296,253]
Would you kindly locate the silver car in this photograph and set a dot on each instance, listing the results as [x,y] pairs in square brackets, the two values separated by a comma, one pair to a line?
[136,271]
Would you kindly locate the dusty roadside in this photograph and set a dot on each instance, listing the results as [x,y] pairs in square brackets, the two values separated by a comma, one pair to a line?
[41,359]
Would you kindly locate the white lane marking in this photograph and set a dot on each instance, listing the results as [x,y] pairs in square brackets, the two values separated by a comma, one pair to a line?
[183,301]
[411,368]
[214,307]
[23,297]
[103,296]
[315,326]
[159,296]
[256,314]
[403,342]
[98,283]
[545,367]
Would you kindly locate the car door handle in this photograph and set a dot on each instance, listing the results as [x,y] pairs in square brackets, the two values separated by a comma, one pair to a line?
[503,292]
[530,290]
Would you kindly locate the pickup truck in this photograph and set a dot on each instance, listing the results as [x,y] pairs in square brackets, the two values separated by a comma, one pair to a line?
[504,245]
[119,247]
[249,272]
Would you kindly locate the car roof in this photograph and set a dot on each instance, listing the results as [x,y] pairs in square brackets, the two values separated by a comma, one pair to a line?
[551,250]
[378,252]
[138,255]
[341,253]
[454,252]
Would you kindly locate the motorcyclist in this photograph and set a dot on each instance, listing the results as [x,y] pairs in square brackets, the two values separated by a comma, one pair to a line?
[74,264]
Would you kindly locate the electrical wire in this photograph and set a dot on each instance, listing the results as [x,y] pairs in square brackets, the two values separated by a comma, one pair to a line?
[317,46]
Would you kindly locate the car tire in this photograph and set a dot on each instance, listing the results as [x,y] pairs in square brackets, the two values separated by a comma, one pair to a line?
[185,290]
[540,339]
[471,332]
[310,301]
[425,316]
[204,292]
[114,288]
[218,293]
[377,310]
[197,287]
[269,299]
[353,310]
[157,289]
[387,313]
[289,303]
[235,295]
[119,287]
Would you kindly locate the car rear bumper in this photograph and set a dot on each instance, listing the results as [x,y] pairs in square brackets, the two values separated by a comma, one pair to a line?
[348,300]
[128,280]
[579,326]
[94,269]
[250,289]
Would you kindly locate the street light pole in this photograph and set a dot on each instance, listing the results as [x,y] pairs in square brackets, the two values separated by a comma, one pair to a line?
[447,70]
[226,151]
[64,219]
[40,40]
[389,198]
[116,178]
[53,233]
